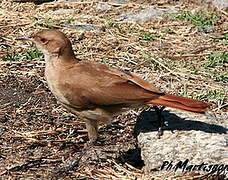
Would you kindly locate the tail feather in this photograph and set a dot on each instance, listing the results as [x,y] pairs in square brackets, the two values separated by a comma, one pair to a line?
[180,103]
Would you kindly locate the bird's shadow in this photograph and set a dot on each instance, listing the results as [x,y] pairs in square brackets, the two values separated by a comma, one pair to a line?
[148,121]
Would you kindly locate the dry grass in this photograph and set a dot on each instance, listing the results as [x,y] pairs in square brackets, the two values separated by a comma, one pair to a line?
[169,52]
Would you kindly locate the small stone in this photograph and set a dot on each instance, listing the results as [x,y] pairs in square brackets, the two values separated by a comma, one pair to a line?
[146,14]
[222,4]
[104,6]
[63,11]
[118,2]
[206,30]
[85,27]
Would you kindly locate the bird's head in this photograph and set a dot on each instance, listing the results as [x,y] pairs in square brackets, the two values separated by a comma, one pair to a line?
[51,43]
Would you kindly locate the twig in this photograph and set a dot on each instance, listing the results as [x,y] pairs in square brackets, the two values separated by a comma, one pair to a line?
[29,164]
[72,166]
[161,64]
[221,107]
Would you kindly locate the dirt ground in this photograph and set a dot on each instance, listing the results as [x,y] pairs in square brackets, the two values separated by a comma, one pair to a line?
[40,139]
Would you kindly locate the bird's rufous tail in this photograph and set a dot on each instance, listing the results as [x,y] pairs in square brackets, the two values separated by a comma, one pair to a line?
[180,102]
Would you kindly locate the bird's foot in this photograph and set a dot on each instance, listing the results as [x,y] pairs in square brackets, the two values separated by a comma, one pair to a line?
[160,132]
[161,120]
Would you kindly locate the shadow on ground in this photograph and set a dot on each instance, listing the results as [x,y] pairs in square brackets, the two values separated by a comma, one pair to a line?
[147,121]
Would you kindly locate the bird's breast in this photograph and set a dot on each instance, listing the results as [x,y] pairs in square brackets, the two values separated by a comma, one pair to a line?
[53,77]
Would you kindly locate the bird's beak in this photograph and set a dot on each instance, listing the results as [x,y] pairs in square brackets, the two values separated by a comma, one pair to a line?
[24,38]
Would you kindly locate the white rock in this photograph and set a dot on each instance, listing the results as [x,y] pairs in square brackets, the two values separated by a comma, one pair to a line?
[196,138]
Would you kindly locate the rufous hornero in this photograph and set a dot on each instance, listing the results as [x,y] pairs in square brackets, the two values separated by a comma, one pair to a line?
[97,92]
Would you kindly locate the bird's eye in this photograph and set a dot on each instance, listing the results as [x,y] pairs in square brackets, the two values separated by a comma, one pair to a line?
[43,40]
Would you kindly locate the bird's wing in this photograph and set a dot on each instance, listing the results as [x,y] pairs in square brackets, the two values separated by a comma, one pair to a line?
[89,83]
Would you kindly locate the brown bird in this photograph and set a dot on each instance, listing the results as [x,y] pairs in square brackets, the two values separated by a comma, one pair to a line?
[95,91]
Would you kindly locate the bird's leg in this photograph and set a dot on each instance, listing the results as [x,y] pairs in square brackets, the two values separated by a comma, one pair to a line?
[92,128]
[161,119]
